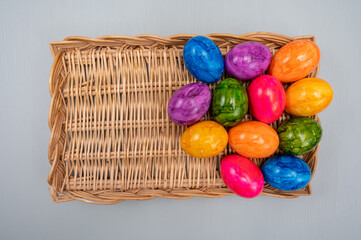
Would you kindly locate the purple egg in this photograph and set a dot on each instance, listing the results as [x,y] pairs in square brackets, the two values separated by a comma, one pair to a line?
[248,60]
[189,103]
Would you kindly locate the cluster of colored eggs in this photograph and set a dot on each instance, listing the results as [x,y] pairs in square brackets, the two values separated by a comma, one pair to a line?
[265,98]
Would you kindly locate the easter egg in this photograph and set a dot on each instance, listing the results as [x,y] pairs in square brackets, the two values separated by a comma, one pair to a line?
[299,135]
[229,102]
[253,139]
[295,61]
[287,173]
[189,103]
[247,60]
[267,98]
[204,139]
[242,176]
[308,97]
[203,59]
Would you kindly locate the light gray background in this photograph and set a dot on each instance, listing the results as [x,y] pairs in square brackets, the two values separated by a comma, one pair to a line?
[26,210]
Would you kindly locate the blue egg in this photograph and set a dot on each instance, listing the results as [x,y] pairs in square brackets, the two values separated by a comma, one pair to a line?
[203,59]
[287,173]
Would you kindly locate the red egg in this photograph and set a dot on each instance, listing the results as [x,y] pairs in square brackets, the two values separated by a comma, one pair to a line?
[267,98]
[242,176]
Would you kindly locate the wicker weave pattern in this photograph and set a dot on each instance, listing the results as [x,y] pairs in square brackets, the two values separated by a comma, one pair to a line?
[111,136]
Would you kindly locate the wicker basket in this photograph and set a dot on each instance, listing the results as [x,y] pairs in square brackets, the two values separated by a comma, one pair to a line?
[111,138]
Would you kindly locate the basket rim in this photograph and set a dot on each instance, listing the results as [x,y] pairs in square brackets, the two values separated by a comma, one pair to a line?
[175,39]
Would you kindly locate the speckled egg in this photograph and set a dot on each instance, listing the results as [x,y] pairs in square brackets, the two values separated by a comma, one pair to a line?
[229,102]
[248,60]
[295,61]
[287,173]
[242,176]
[189,103]
[253,139]
[203,59]
[204,139]
[267,98]
[299,135]
[308,97]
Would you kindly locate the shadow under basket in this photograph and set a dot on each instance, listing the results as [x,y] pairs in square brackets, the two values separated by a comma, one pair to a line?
[111,137]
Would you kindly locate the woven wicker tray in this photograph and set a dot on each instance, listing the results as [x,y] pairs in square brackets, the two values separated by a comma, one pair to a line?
[111,138]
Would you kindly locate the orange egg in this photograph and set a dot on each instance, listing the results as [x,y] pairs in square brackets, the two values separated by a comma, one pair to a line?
[308,97]
[253,139]
[295,61]
[204,139]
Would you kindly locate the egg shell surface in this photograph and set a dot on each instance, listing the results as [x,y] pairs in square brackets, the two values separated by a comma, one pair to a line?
[295,61]
[203,59]
[204,139]
[299,135]
[189,103]
[267,98]
[242,176]
[248,60]
[253,139]
[287,173]
[308,97]
[229,102]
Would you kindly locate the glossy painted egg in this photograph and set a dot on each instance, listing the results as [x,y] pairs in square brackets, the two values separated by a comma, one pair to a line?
[242,176]
[189,103]
[299,135]
[204,139]
[308,97]
[295,61]
[253,139]
[287,173]
[247,60]
[203,59]
[229,102]
[267,98]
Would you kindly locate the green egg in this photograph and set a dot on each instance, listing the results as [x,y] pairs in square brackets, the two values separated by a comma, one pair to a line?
[299,135]
[229,102]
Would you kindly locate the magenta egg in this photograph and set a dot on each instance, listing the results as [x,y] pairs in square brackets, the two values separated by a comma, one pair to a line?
[267,98]
[242,176]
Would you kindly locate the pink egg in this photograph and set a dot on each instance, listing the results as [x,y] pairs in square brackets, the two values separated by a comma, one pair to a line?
[267,98]
[242,176]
